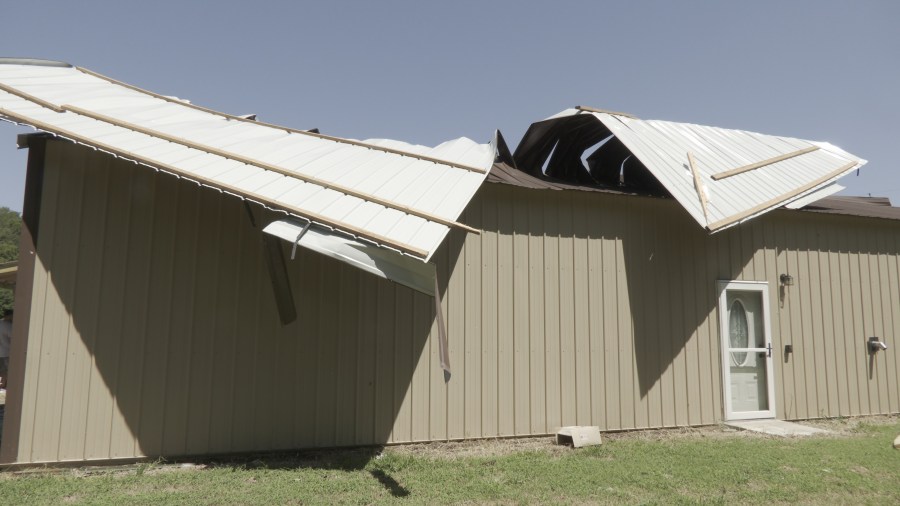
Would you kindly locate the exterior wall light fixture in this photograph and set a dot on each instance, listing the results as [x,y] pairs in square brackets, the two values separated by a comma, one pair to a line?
[876,345]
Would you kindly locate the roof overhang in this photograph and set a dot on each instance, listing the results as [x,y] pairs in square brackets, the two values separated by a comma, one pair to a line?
[387,194]
[721,177]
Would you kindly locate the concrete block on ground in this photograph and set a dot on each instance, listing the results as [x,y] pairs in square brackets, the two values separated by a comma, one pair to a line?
[578,436]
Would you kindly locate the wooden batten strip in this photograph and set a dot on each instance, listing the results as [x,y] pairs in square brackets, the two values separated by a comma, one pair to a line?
[31,98]
[267,166]
[770,161]
[787,196]
[286,129]
[302,213]
[604,111]
[698,185]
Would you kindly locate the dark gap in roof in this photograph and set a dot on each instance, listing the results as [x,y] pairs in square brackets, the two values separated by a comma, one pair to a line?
[503,155]
[591,150]
[546,163]
[581,150]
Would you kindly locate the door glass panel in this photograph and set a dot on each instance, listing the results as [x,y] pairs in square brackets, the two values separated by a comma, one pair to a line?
[738,332]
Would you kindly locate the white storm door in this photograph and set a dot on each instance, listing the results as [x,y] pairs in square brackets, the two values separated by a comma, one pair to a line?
[747,363]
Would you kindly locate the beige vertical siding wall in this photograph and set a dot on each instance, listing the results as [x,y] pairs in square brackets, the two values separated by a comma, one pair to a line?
[154,330]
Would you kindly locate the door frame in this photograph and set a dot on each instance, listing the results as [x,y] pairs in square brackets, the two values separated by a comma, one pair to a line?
[748,286]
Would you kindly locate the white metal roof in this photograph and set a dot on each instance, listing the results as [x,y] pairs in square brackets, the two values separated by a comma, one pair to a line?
[396,195]
[771,171]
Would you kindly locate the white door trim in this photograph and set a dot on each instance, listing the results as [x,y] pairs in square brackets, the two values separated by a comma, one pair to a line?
[753,286]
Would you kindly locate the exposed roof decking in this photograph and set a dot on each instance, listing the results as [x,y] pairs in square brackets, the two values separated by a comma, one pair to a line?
[393,194]
[867,207]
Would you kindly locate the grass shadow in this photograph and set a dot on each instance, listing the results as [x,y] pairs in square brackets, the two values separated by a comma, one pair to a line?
[389,483]
[347,460]
[338,460]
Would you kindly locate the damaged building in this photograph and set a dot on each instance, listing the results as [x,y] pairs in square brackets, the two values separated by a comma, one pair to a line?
[194,283]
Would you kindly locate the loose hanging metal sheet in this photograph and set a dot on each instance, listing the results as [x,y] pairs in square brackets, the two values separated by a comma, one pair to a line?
[443,347]
[297,240]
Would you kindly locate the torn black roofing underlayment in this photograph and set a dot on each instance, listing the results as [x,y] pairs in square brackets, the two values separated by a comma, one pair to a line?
[867,207]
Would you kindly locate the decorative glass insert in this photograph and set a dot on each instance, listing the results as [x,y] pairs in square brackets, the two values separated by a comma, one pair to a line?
[738,332]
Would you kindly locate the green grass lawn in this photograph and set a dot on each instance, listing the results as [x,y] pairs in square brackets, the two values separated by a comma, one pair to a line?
[709,465]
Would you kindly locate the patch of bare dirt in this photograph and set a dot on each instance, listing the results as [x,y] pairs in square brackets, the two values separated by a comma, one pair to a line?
[849,426]
[547,444]
[498,447]
[480,448]
[679,433]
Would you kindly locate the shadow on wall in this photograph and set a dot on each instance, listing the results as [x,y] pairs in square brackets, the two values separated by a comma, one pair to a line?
[610,290]
[175,345]
[671,267]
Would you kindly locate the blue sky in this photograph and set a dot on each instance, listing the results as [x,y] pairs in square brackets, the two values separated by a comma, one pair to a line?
[425,72]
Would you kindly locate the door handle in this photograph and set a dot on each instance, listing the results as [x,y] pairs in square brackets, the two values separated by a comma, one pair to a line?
[769,350]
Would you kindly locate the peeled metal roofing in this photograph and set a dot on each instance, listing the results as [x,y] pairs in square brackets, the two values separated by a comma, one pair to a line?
[772,171]
[396,195]
[381,262]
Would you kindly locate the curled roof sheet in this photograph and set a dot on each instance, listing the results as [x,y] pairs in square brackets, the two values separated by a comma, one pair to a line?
[720,176]
[396,195]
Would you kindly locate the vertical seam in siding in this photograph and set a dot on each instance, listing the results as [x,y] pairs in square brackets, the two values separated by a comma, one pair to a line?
[144,337]
[70,320]
[588,236]
[827,373]
[543,330]
[113,392]
[361,304]
[48,243]
[214,317]
[165,357]
[853,313]
[875,301]
[92,351]
[527,268]
[892,385]
[239,266]
[572,313]
[619,258]
[192,325]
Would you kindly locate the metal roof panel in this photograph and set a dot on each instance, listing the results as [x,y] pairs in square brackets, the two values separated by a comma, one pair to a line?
[663,147]
[309,175]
